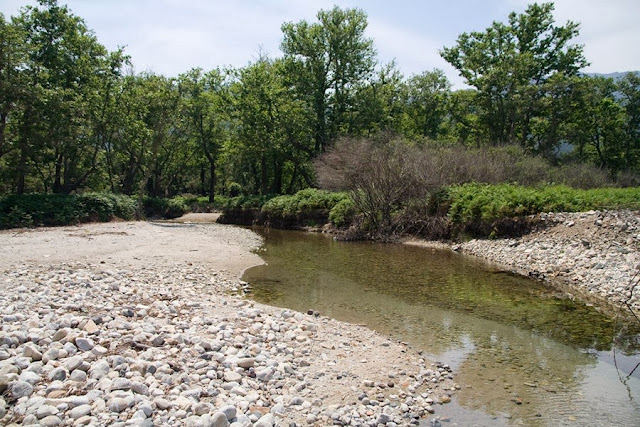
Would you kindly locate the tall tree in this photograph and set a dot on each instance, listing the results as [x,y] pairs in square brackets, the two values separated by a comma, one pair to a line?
[508,63]
[205,106]
[326,61]
[427,100]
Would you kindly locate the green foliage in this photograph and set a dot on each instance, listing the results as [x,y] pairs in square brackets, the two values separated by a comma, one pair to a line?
[33,210]
[342,213]
[234,189]
[481,202]
[306,207]
[175,207]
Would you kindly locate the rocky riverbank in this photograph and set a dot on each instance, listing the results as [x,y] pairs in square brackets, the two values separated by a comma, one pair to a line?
[139,324]
[593,254]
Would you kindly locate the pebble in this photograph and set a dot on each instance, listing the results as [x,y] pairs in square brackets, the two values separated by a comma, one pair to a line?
[190,355]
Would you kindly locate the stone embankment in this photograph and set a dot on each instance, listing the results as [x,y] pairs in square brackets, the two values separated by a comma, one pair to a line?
[162,344]
[595,254]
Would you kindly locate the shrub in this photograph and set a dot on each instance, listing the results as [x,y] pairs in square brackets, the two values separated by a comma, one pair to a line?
[234,189]
[155,207]
[34,210]
[306,207]
[342,214]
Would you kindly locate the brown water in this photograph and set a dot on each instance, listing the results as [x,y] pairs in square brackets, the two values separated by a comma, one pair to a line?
[524,353]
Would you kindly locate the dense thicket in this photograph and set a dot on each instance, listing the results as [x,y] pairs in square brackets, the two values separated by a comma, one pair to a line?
[74,118]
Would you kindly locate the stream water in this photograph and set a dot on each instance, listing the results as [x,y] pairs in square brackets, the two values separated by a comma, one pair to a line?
[524,352]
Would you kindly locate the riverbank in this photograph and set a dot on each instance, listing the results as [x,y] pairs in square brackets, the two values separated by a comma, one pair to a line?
[594,255]
[143,324]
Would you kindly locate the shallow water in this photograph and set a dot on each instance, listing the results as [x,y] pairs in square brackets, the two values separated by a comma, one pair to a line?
[524,353]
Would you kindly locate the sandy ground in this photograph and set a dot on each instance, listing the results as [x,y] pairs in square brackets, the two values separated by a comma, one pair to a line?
[134,244]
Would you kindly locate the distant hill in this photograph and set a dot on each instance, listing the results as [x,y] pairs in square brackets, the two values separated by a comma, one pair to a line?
[614,76]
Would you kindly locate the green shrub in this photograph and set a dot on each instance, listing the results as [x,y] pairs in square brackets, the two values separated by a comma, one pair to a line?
[306,207]
[234,189]
[342,213]
[156,207]
[35,210]
[481,202]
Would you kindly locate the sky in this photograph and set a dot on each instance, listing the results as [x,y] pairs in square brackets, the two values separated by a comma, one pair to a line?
[172,36]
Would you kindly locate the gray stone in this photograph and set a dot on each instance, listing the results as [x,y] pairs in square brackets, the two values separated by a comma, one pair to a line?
[46,411]
[162,403]
[119,404]
[4,383]
[121,384]
[58,374]
[219,419]
[232,377]
[229,411]
[78,376]
[139,388]
[50,421]
[266,420]
[80,411]
[32,352]
[246,362]
[383,419]
[60,335]
[99,370]
[84,344]
[29,377]
[21,388]
[73,362]
[51,354]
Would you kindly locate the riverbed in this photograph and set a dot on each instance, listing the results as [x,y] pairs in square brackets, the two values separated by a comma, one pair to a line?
[525,351]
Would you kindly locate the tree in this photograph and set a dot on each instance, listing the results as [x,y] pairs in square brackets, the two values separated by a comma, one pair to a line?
[378,104]
[205,106]
[508,65]
[427,101]
[629,92]
[65,68]
[326,61]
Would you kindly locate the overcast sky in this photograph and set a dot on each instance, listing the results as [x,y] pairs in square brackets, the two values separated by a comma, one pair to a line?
[172,36]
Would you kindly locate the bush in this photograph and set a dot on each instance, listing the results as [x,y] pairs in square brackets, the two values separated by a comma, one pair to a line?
[306,207]
[342,214]
[234,189]
[481,202]
[35,210]
[155,207]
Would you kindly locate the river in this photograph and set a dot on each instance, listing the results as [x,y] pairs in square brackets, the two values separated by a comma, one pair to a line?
[524,352]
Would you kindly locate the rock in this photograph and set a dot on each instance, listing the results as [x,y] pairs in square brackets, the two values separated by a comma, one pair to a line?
[231,376]
[4,383]
[99,370]
[229,411]
[119,404]
[46,411]
[246,362]
[80,411]
[50,421]
[73,362]
[266,420]
[21,389]
[84,344]
[30,377]
[219,419]
[90,327]
[162,403]
[58,374]
[32,352]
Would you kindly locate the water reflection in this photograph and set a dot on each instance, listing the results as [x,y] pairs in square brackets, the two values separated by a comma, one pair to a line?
[523,351]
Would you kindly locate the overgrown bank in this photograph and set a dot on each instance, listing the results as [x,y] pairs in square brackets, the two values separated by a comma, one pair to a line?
[37,210]
[453,213]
